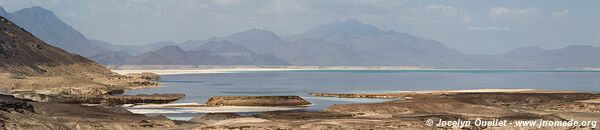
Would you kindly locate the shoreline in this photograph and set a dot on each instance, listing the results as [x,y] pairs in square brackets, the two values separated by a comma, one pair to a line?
[225,69]
[419,94]
[406,109]
[467,105]
[378,97]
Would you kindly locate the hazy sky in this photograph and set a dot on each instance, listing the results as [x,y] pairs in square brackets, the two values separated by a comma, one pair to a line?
[472,26]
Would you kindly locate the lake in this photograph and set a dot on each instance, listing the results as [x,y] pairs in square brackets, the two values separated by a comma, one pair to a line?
[199,87]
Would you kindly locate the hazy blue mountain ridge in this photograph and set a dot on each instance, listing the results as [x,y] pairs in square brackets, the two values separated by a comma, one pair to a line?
[45,25]
[341,43]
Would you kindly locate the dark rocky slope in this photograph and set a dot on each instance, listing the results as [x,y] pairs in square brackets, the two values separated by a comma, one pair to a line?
[32,69]
[21,52]
[26,114]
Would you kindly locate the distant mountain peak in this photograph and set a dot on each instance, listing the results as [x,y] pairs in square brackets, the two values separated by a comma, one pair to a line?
[580,47]
[525,50]
[162,43]
[2,11]
[347,27]
[170,49]
[257,32]
[171,52]
[41,14]
[530,48]
[225,48]
[352,21]
[37,10]
[219,43]
[252,36]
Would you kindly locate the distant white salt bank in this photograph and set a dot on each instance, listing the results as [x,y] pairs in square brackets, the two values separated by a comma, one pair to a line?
[199,71]
[167,70]
[200,108]
[479,91]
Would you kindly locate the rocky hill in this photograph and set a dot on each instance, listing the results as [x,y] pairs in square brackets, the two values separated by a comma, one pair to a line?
[21,52]
[31,68]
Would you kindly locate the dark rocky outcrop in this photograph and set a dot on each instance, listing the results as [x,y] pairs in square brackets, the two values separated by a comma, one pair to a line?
[121,99]
[103,99]
[257,101]
[145,75]
[25,114]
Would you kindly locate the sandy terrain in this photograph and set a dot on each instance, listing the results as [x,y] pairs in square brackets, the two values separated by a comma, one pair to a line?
[465,105]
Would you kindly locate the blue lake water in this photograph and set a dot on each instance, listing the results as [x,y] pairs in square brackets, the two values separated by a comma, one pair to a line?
[199,87]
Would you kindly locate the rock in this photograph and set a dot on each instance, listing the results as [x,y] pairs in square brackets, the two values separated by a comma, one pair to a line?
[257,101]
[145,75]
[103,99]
[9,103]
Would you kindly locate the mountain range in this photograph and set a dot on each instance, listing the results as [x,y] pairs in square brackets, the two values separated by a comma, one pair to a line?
[46,26]
[341,43]
[214,53]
